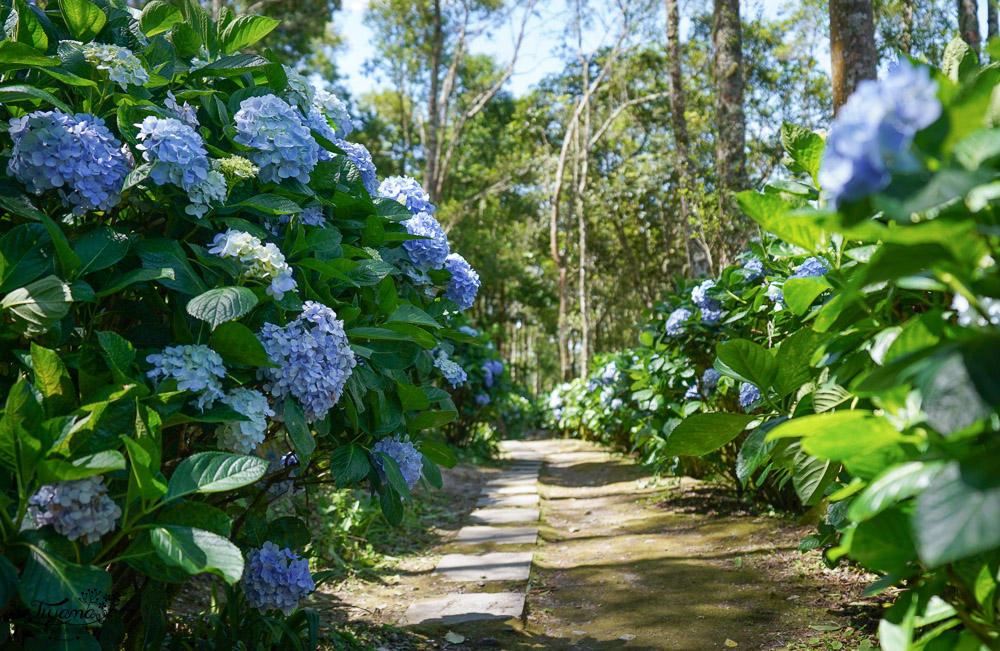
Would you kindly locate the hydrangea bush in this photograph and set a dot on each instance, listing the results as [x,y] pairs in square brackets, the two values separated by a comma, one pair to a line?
[855,357]
[206,306]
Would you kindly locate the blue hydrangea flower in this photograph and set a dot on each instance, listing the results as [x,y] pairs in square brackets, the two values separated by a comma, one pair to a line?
[197,368]
[609,373]
[73,154]
[870,138]
[315,357]
[749,394]
[285,146]
[276,578]
[244,436]
[123,67]
[675,322]
[710,316]
[710,379]
[183,112]
[616,404]
[483,399]
[335,112]
[315,120]
[358,154]
[405,454]
[812,267]
[555,400]
[775,292]
[693,392]
[176,151]
[464,283]
[492,370]
[752,270]
[79,509]
[212,190]
[408,192]
[300,91]
[451,371]
[430,253]
[469,330]
[700,297]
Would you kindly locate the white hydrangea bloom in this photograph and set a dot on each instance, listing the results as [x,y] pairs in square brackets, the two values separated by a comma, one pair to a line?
[260,261]
[123,67]
[967,316]
[245,436]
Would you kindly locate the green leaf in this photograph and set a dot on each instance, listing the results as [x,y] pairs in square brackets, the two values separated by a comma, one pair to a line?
[48,579]
[298,430]
[288,532]
[13,53]
[143,479]
[36,307]
[216,306]
[800,293]
[804,147]
[99,249]
[197,551]
[431,419]
[349,464]
[98,463]
[412,314]
[704,433]
[127,279]
[119,352]
[29,29]
[198,515]
[84,19]
[244,31]
[231,66]
[8,581]
[238,345]
[959,60]
[412,397]
[840,435]
[895,484]
[52,380]
[186,40]
[392,507]
[394,476]
[161,254]
[883,543]
[958,514]
[14,92]
[158,17]
[25,254]
[212,472]
[756,450]
[431,472]
[439,453]
[810,475]
[747,361]
[269,204]
[794,360]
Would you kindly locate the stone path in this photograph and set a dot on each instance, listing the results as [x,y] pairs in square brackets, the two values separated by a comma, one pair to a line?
[500,519]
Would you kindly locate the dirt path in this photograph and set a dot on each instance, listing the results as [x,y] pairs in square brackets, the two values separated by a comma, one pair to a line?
[617,566]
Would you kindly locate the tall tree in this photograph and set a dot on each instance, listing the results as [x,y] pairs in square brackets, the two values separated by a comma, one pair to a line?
[730,122]
[992,24]
[852,47]
[968,22]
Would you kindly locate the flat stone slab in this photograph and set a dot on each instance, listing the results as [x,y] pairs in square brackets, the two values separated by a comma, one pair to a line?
[458,608]
[495,566]
[516,489]
[497,535]
[500,501]
[503,516]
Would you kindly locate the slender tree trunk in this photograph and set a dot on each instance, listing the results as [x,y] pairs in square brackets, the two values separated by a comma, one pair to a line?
[431,143]
[852,47]
[730,142]
[583,163]
[968,22]
[906,38]
[992,24]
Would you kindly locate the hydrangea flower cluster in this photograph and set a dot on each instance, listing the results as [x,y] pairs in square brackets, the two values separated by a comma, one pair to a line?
[749,394]
[405,454]
[430,253]
[469,330]
[79,509]
[675,322]
[811,268]
[334,110]
[315,357]
[276,578]
[492,369]
[285,146]
[451,371]
[260,261]
[123,67]
[710,379]
[775,292]
[244,436]
[362,159]
[183,112]
[197,368]
[693,392]
[616,404]
[870,138]
[235,169]
[967,316]
[711,310]
[483,399]
[300,90]
[464,283]
[607,395]
[753,270]
[408,192]
[75,154]
[179,157]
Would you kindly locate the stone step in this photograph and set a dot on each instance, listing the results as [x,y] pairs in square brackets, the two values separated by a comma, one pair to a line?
[503,516]
[495,566]
[501,501]
[458,608]
[519,489]
[513,480]
[473,535]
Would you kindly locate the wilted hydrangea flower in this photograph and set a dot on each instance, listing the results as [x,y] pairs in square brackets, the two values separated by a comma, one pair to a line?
[967,316]
[752,270]
[451,371]
[79,509]
[276,578]
[408,192]
[693,392]
[483,399]
[358,154]
[122,66]
[335,111]
[183,112]
[710,379]
[426,254]
[871,136]
[75,154]
[285,147]
[235,169]
[315,359]
[197,368]
[812,267]
[405,454]
[176,151]
[675,322]
[464,283]
[749,394]
[260,261]
[244,436]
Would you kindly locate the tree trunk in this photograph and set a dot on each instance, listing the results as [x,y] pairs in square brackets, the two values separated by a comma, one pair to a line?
[906,38]
[730,142]
[852,47]
[968,22]
[992,24]
[431,141]
[583,164]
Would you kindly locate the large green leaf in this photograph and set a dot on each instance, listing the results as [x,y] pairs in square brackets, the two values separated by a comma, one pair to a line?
[412,397]
[302,438]
[25,254]
[895,484]
[747,361]
[37,306]
[161,254]
[439,453]
[349,464]
[158,17]
[52,380]
[810,475]
[412,314]
[211,472]
[84,19]
[394,476]
[14,92]
[804,148]
[883,543]
[100,248]
[28,29]
[238,345]
[794,360]
[704,433]
[799,293]
[244,31]
[232,66]
[197,551]
[216,306]
[756,450]
[8,581]
[98,463]
[78,591]
[431,419]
